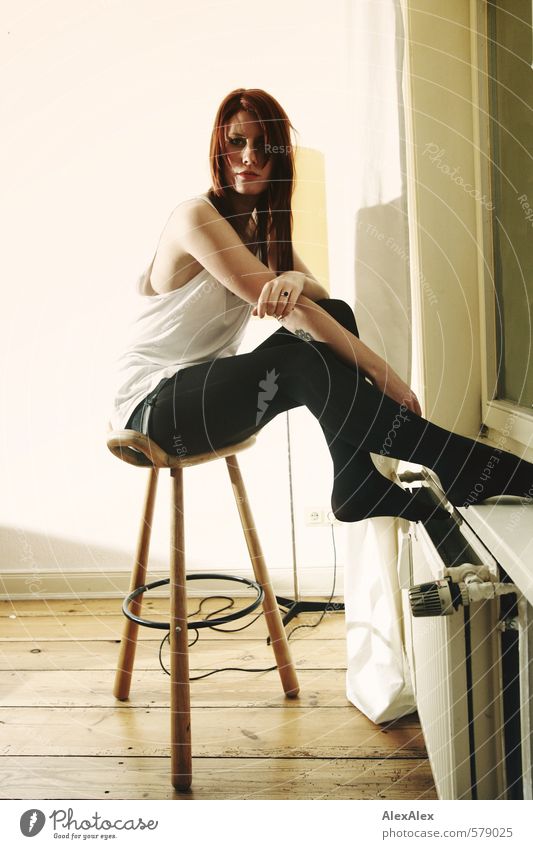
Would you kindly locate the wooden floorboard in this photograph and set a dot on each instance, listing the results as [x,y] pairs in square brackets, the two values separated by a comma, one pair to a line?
[216,778]
[64,736]
[100,626]
[208,654]
[150,688]
[239,732]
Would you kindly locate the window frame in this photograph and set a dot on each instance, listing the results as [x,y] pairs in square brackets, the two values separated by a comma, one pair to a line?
[502,418]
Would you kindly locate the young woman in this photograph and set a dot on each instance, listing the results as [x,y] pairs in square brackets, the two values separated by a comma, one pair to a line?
[228,254]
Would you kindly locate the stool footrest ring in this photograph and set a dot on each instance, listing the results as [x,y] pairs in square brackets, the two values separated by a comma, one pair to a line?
[202,623]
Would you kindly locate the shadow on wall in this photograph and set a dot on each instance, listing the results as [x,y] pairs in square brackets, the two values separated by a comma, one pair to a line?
[30,558]
[382,283]
[310,232]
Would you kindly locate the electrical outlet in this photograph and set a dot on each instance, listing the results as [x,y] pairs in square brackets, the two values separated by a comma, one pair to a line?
[314,516]
[320,517]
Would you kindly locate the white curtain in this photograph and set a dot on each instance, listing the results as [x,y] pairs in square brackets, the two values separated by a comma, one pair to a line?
[378,678]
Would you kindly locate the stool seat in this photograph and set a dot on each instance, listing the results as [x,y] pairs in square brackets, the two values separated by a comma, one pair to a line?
[139,450]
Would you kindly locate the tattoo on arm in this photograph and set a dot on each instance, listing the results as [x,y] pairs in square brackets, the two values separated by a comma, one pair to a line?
[303,334]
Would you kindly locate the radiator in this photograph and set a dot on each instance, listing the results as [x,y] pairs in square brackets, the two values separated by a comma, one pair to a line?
[472,668]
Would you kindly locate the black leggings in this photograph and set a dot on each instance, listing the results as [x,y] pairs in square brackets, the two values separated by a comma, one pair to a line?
[222,401]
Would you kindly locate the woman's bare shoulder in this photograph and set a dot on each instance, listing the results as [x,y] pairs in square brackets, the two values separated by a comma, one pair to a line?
[172,266]
[194,202]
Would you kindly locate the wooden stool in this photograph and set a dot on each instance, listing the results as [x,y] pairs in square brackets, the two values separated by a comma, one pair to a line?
[139,450]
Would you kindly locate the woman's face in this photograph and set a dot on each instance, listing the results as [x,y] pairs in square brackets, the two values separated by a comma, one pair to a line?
[247,166]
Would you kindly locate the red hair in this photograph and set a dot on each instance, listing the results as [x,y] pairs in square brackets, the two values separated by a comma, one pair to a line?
[273,208]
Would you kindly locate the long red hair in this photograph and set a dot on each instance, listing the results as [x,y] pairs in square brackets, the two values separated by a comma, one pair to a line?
[273,208]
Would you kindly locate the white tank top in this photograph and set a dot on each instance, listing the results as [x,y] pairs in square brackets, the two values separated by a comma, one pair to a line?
[202,320]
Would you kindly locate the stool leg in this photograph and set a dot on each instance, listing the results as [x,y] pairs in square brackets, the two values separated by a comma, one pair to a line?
[180,700]
[128,644]
[274,622]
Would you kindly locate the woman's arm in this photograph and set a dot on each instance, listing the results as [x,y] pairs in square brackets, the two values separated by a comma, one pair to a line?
[312,288]
[206,235]
[308,317]
[197,228]
[298,281]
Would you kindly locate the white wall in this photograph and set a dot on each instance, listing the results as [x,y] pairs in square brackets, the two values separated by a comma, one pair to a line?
[110,109]
[447,257]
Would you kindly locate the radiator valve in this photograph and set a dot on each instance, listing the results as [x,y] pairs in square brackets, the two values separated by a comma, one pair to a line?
[461,585]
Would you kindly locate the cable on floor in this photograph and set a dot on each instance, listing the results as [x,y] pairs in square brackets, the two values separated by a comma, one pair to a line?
[243,627]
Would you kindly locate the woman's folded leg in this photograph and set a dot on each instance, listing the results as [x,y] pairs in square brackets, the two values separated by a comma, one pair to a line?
[225,400]
[359,489]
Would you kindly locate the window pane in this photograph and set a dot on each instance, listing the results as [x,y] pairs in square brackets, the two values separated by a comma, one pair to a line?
[511,123]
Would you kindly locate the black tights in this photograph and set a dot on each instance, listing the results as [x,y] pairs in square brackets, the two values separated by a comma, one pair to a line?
[223,401]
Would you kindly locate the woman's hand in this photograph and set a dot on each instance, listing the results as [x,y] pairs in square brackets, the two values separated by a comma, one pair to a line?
[392,385]
[272,301]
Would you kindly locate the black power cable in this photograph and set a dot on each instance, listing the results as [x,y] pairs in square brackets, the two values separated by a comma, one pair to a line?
[243,627]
